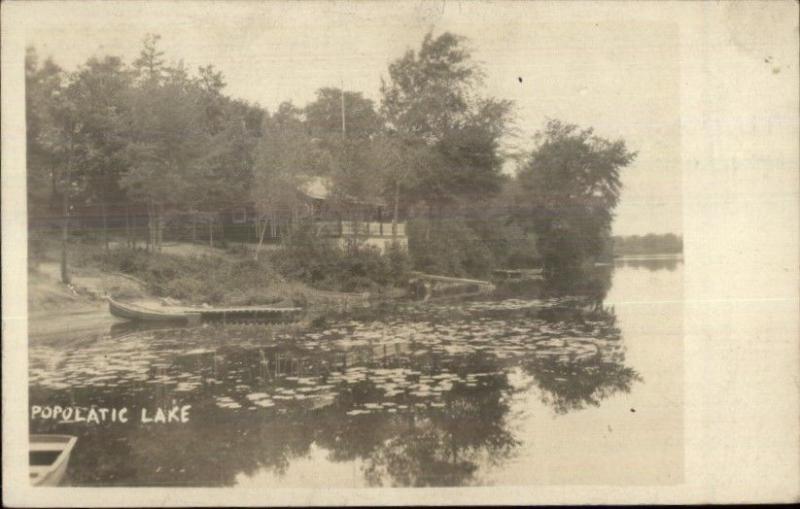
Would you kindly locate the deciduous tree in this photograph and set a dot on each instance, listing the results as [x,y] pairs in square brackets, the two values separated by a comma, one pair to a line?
[569,189]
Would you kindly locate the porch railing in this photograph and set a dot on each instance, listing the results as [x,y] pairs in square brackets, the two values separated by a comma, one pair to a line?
[359,228]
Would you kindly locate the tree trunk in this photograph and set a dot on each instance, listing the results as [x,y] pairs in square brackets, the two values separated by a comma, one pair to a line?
[261,238]
[128,241]
[150,227]
[428,226]
[222,232]
[65,277]
[210,233]
[194,228]
[53,185]
[105,222]
[396,209]
[160,226]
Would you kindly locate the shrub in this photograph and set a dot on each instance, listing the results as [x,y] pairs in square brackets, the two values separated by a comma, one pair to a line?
[512,246]
[322,263]
[448,248]
[399,264]
[305,256]
[185,288]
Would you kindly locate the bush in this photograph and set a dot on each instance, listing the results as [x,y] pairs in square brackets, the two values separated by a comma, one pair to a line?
[197,279]
[448,248]
[185,288]
[322,263]
[399,264]
[512,246]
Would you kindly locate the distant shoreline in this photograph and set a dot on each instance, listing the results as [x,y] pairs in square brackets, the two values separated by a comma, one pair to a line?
[662,256]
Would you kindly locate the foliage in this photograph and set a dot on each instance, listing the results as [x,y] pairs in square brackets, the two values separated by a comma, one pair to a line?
[281,162]
[342,126]
[448,247]
[324,117]
[323,264]
[199,279]
[43,82]
[167,139]
[431,100]
[155,134]
[668,243]
[149,133]
[569,188]
[512,247]
[428,91]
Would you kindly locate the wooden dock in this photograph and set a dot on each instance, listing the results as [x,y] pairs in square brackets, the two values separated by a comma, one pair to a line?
[429,286]
[505,274]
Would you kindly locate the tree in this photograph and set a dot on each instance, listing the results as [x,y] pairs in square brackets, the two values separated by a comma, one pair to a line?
[43,82]
[432,99]
[428,92]
[151,134]
[99,91]
[166,138]
[150,64]
[64,139]
[342,126]
[59,142]
[281,162]
[569,188]
[223,174]
[397,161]
[337,114]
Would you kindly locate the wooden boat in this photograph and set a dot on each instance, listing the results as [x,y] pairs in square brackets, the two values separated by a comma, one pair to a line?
[49,456]
[190,315]
[136,312]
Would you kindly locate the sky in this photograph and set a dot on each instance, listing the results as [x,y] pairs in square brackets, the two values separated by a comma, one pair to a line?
[621,77]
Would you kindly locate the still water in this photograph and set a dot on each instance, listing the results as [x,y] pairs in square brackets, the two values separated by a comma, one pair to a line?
[582,387]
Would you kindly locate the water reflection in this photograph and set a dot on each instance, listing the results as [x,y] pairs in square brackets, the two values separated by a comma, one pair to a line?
[652,264]
[418,397]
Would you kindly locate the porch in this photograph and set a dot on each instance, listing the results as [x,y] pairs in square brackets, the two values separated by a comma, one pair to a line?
[377,234]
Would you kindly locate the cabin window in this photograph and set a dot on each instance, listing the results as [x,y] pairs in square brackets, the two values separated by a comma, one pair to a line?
[239,216]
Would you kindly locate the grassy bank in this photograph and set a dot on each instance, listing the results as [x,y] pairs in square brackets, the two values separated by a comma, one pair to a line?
[300,273]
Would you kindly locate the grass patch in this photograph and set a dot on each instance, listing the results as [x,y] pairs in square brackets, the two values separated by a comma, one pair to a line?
[208,279]
[304,270]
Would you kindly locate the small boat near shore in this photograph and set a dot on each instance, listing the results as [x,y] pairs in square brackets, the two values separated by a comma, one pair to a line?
[135,312]
[194,315]
[49,457]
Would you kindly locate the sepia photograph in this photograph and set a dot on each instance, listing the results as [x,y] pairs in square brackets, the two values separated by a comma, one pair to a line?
[353,245]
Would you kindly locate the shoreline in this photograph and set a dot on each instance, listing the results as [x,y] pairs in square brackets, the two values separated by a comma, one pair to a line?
[69,323]
[645,257]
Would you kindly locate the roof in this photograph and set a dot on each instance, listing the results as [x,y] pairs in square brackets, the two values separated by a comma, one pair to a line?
[320,188]
[317,187]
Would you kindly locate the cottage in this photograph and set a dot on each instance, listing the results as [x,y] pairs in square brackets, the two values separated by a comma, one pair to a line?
[345,219]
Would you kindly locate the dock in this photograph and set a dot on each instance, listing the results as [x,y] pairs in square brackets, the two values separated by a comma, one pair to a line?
[428,286]
[505,274]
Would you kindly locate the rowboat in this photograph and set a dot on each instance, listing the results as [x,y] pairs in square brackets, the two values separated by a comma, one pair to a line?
[190,315]
[136,312]
[49,456]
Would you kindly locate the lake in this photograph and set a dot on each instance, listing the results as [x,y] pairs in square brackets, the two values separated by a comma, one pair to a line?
[577,387]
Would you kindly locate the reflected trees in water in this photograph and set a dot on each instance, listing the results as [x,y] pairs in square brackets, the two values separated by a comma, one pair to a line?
[444,447]
[565,343]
